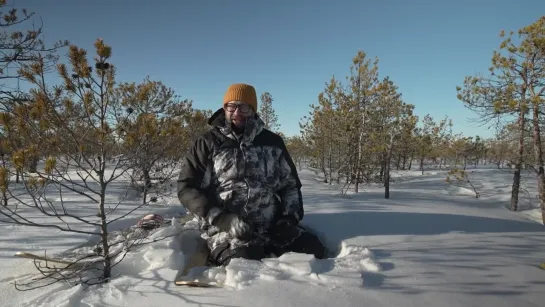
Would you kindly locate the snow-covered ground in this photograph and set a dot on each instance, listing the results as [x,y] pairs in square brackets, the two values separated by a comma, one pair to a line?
[430,244]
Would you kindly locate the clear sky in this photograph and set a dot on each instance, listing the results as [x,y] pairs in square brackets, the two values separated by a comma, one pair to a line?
[291,48]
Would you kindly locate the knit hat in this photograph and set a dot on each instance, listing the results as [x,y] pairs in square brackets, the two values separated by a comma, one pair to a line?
[243,93]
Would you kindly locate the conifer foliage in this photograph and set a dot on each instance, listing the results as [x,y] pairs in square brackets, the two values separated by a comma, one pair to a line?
[512,96]
[268,113]
[88,131]
[357,130]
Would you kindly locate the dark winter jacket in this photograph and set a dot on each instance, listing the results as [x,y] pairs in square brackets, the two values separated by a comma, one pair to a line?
[253,176]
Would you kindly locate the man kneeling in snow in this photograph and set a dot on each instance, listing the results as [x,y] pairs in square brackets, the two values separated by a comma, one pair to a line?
[241,182]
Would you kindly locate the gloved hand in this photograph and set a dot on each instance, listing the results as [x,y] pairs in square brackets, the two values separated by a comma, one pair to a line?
[233,224]
[285,229]
[286,222]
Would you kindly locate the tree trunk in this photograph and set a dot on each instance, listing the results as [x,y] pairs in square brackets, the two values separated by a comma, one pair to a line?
[147,178]
[4,191]
[33,165]
[382,170]
[147,182]
[104,235]
[357,185]
[330,162]
[360,152]
[323,168]
[356,178]
[515,189]
[339,162]
[387,168]
[538,153]
[518,165]
[350,164]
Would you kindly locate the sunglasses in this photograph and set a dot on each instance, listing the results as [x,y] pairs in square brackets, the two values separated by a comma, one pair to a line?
[243,108]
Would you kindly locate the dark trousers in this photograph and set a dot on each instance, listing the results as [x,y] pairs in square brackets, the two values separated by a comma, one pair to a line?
[306,243]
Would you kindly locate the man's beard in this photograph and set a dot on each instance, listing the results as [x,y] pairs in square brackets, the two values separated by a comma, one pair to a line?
[238,129]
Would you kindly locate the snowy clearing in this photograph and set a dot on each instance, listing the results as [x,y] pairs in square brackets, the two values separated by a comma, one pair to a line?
[430,244]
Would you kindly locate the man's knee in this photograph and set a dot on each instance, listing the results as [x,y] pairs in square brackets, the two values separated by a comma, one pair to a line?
[254,252]
[223,254]
[308,243]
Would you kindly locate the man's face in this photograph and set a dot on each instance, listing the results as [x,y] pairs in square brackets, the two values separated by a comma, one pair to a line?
[237,113]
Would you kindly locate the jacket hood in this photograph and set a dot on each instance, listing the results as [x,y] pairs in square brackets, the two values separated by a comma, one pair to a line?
[217,119]
[254,126]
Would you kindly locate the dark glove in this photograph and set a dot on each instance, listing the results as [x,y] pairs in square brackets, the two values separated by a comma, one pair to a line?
[286,222]
[233,224]
[285,229]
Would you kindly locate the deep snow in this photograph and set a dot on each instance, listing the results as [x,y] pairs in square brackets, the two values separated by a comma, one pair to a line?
[429,244]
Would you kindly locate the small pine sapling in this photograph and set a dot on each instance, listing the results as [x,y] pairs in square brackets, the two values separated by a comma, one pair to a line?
[459,177]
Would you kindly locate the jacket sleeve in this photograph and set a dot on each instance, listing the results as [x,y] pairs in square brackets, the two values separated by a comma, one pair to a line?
[290,193]
[194,179]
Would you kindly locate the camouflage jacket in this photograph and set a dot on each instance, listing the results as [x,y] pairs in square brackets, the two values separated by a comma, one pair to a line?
[251,175]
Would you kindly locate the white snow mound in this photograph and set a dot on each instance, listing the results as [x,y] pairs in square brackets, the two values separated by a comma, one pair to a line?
[158,263]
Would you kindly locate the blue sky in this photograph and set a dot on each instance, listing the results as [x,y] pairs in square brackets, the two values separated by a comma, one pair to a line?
[291,48]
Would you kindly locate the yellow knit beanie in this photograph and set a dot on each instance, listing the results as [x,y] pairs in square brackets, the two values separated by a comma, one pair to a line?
[241,92]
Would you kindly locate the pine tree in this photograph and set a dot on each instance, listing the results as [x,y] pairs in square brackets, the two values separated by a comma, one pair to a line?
[514,87]
[156,133]
[267,112]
